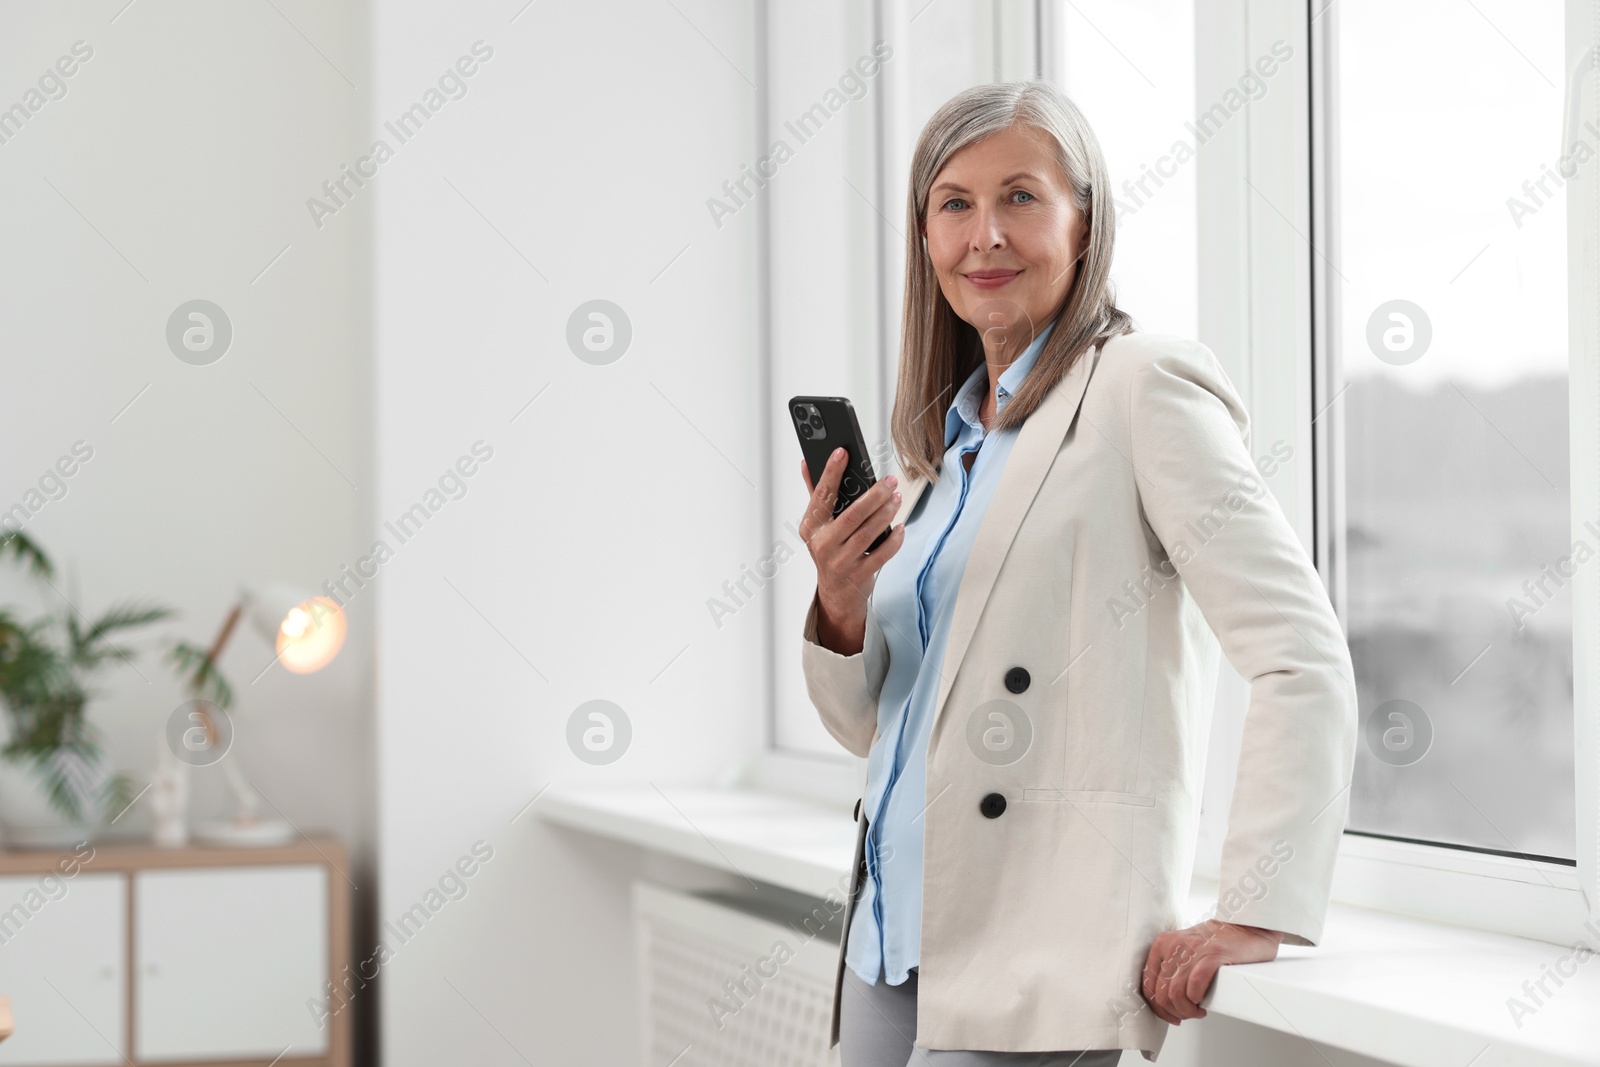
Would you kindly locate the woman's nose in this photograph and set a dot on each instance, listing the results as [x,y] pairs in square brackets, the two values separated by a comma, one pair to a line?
[987,232]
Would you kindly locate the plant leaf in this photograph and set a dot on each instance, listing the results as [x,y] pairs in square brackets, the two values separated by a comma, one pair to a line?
[26,551]
[200,673]
[32,670]
[117,794]
[65,772]
[91,648]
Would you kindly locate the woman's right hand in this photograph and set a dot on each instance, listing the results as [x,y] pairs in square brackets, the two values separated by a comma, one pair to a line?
[846,573]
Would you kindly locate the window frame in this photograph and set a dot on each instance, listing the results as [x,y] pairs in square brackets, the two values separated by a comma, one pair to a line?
[1506,894]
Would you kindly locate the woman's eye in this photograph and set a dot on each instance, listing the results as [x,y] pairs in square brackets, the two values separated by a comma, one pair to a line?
[947,203]
[1023,192]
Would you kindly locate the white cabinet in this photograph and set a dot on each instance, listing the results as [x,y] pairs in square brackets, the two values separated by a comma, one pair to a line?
[63,941]
[228,960]
[162,956]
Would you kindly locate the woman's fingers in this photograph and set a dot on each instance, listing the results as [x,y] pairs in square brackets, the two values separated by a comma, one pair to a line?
[819,509]
[860,510]
[856,544]
[1175,980]
[1200,978]
[1150,981]
[827,487]
[891,545]
[1154,983]
[819,512]
[1176,988]
[838,544]
[1179,970]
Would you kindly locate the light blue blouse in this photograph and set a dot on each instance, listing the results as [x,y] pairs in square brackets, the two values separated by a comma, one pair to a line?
[913,601]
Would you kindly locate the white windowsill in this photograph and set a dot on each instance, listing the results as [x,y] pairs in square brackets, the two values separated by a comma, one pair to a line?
[1395,988]
[788,842]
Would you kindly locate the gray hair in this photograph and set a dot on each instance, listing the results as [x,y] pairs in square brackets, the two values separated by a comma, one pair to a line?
[938,349]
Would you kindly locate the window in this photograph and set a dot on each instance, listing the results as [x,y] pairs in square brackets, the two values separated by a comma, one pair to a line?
[1446,263]
[1130,69]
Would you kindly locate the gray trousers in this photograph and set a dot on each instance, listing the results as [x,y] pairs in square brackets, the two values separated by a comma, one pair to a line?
[878,1023]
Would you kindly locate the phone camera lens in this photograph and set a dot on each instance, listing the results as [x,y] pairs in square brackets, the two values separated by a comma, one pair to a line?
[816,419]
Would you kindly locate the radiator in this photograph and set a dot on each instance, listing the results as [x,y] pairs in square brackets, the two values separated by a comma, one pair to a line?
[734,981]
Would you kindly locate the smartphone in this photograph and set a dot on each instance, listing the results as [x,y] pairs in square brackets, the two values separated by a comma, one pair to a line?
[824,423]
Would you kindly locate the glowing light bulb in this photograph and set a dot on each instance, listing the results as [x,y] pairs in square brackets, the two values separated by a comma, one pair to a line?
[310,635]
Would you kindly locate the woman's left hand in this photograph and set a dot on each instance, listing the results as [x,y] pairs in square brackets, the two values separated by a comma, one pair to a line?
[1182,963]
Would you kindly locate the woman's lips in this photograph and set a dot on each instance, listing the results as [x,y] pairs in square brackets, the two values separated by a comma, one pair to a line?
[991,279]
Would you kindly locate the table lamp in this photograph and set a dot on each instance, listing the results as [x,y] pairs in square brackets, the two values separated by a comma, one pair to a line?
[307,632]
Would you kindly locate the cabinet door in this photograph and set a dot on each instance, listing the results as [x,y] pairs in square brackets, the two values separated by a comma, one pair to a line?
[229,961]
[62,944]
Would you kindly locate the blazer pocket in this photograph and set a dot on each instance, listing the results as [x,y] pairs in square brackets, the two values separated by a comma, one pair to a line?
[1089,796]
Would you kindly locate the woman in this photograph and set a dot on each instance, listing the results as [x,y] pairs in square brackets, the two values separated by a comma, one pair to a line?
[1028,661]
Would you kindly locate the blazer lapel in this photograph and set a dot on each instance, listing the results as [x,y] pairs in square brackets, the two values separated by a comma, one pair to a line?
[1038,441]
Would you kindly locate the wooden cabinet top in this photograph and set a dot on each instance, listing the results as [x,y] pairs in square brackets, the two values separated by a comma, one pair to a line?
[135,854]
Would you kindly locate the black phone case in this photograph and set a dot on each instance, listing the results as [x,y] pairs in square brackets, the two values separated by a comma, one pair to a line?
[840,428]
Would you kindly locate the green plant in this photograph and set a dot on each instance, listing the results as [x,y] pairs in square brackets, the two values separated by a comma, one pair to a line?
[199,672]
[45,669]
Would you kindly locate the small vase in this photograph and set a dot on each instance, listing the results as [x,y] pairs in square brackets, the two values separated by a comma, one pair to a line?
[169,798]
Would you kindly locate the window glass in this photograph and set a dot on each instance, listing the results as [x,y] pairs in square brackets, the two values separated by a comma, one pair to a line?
[1448,255]
[1130,69]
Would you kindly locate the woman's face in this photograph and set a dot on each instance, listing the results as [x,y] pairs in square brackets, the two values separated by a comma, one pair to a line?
[1004,235]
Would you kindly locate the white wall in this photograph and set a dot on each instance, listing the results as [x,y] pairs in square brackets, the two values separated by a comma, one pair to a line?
[578,564]
[176,166]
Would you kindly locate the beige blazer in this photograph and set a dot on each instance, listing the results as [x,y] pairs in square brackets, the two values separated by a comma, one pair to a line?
[1130,532]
